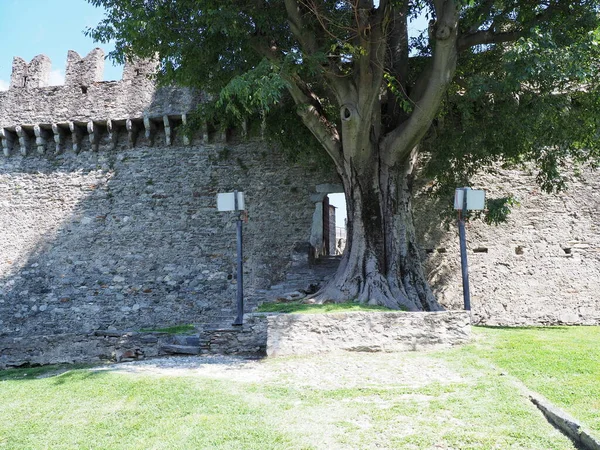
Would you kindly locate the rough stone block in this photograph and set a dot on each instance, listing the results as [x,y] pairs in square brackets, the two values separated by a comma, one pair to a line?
[84,71]
[36,74]
[298,334]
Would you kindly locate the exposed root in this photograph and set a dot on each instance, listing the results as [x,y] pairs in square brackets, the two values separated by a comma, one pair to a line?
[375,289]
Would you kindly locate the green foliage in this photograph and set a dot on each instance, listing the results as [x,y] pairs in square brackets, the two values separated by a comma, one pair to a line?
[498,209]
[532,98]
[533,101]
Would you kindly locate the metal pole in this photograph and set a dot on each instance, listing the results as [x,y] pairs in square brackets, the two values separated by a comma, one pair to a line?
[463,253]
[239,320]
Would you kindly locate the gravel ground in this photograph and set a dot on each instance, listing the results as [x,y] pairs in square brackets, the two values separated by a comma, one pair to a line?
[328,371]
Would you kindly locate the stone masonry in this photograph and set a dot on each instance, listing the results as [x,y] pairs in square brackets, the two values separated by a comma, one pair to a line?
[541,267]
[109,221]
[302,334]
[108,212]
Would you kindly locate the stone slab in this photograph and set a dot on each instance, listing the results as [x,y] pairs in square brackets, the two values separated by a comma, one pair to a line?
[300,334]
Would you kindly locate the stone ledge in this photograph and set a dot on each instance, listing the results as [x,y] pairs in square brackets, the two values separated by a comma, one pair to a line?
[300,334]
[565,423]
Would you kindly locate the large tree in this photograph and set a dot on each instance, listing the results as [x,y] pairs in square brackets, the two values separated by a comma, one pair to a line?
[488,81]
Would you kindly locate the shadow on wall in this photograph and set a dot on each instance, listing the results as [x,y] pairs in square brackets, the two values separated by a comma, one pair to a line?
[436,238]
[130,238]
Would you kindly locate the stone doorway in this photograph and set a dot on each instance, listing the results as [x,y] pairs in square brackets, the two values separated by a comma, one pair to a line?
[328,231]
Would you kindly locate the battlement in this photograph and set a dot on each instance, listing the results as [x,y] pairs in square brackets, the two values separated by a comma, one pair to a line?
[84,71]
[33,75]
[32,113]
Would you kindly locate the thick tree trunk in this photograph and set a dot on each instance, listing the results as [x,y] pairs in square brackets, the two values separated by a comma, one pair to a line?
[381,264]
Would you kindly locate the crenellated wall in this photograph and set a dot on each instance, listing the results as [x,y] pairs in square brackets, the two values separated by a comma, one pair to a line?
[108,212]
[35,117]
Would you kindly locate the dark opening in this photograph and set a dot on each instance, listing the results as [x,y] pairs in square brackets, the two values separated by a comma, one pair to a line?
[347,113]
[480,250]
[567,250]
[138,72]
[84,89]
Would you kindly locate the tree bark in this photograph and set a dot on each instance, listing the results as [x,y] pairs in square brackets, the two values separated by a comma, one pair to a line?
[382,263]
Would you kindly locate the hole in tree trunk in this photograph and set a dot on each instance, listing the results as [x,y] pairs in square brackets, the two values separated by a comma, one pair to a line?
[346,113]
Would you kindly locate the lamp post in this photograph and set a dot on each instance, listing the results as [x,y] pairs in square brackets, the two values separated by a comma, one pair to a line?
[234,201]
[466,199]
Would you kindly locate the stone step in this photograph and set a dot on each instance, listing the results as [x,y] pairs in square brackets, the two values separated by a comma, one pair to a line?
[185,340]
[181,349]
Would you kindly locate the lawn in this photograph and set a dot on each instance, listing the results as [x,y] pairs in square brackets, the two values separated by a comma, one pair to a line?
[561,363]
[449,400]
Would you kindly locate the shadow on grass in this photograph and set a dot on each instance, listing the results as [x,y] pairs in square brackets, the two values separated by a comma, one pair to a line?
[64,371]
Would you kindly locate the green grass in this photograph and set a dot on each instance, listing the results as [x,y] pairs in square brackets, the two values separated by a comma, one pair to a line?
[177,329]
[357,401]
[301,308]
[85,409]
[561,363]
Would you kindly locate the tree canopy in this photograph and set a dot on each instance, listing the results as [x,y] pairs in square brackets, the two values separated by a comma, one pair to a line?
[488,81]
[525,85]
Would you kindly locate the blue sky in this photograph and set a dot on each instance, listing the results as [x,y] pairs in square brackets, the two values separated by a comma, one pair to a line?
[52,27]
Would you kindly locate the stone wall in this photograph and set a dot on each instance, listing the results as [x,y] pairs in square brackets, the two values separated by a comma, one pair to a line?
[132,238]
[108,212]
[73,348]
[109,221]
[541,267]
[249,339]
[301,334]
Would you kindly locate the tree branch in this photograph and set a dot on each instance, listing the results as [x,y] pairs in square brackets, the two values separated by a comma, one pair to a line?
[487,37]
[397,62]
[398,143]
[483,12]
[305,37]
[310,111]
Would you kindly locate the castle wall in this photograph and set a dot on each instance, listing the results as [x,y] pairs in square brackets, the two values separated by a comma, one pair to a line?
[541,267]
[108,217]
[108,212]
[131,238]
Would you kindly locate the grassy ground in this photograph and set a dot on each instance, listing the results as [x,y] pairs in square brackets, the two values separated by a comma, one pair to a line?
[301,308]
[561,363]
[447,400]
[177,329]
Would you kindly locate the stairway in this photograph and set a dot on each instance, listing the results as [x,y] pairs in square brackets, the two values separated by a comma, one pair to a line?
[300,281]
